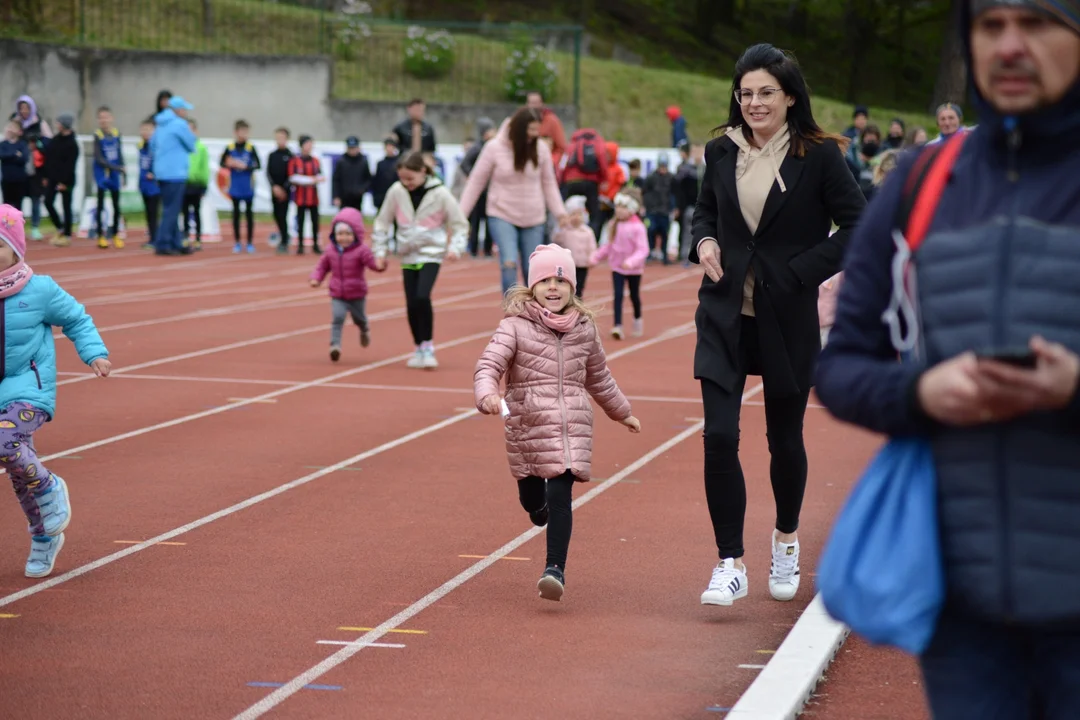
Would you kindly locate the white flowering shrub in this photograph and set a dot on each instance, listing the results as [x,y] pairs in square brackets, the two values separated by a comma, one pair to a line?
[530,67]
[351,28]
[428,55]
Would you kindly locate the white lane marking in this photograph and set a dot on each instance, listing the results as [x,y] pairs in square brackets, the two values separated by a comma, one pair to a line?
[350,642]
[290,688]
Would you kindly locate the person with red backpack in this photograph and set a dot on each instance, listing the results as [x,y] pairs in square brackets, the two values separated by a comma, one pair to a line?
[585,170]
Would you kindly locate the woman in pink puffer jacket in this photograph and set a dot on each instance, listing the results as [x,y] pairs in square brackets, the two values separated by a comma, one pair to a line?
[549,350]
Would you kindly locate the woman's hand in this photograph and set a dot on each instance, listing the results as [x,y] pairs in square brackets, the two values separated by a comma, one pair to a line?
[380,264]
[563,220]
[102,367]
[633,423]
[490,405]
[452,256]
[709,255]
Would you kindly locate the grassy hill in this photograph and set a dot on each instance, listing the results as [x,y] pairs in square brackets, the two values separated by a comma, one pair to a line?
[625,101]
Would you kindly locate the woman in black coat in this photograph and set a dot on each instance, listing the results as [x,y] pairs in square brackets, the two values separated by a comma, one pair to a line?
[774,185]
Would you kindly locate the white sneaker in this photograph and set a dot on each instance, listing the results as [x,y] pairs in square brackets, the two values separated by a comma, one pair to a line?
[616,332]
[430,363]
[417,360]
[639,327]
[728,584]
[784,571]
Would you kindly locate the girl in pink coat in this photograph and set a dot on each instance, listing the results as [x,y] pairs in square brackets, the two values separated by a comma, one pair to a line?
[577,237]
[346,261]
[626,251]
[549,351]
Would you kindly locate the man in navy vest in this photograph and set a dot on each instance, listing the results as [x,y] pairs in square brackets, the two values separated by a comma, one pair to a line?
[995,386]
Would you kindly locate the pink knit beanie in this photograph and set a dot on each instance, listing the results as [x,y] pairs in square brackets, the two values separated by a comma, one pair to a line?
[549,261]
[12,229]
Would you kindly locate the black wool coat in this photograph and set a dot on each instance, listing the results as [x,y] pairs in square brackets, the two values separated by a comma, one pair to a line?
[792,253]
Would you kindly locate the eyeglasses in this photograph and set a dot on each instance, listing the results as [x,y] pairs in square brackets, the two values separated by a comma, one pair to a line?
[765,95]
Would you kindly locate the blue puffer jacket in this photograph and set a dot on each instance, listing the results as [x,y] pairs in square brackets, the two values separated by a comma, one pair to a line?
[1000,263]
[171,144]
[28,353]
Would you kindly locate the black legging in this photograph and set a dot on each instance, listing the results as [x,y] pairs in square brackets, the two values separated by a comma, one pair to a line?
[558,494]
[725,487]
[281,217]
[152,204]
[301,211]
[418,287]
[64,225]
[193,207]
[250,216]
[114,196]
[634,281]
[15,192]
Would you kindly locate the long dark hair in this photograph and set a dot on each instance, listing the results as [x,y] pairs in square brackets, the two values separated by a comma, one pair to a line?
[524,147]
[785,68]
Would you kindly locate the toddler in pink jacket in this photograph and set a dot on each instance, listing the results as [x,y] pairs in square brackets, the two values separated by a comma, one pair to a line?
[626,251]
[578,238]
[548,349]
[346,261]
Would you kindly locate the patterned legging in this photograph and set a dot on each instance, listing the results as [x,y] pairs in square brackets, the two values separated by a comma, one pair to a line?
[18,423]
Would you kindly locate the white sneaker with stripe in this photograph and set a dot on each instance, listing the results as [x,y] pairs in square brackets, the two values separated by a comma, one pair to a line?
[728,584]
[784,571]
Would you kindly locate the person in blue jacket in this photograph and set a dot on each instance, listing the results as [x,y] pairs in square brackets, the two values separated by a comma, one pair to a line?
[148,185]
[109,176]
[242,160]
[171,145]
[996,315]
[30,306]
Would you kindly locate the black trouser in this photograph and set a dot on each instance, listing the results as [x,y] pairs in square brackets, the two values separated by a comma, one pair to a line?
[634,281]
[114,196]
[582,275]
[193,205]
[281,217]
[591,190]
[725,487]
[64,227]
[477,216]
[301,211]
[558,494]
[249,214]
[152,204]
[15,192]
[352,200]
[418,287]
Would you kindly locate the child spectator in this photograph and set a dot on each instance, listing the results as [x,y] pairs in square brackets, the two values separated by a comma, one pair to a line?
[346,261]
[14,158]
[578,237]
[148,186]
[242,160]
[352,176]
[61,156]
[625,252]
[197,182]
[635,175]
[614,180]
[109,175]
[385,172]
[305,172]
[36,133]
[277,172]
[658,207]
[28,388]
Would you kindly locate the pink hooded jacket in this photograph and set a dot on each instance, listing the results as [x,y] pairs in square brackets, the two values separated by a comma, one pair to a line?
[580,241]
[630,246]
[346,266]
[549,379]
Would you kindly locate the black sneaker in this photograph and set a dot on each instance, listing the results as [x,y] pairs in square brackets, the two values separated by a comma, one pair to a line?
[539,517]
[552,583]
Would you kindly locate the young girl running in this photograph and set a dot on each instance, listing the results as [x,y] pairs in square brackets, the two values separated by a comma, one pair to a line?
[548,349]
[346,261]
[626,251]
[577,237]
[425,215]
[28,385]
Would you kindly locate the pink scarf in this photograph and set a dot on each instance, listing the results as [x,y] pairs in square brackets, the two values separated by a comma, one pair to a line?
[15,278]
[559,322]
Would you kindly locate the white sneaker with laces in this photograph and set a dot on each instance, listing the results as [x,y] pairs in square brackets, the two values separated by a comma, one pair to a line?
[417,360]
[430,362]
[728,584]
[784,571]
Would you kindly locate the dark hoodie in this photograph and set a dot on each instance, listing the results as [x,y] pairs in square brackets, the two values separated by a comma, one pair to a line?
[999,263]
[352,177]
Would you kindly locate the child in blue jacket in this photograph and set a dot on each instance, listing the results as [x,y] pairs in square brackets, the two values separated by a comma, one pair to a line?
[30,306]
[148,185]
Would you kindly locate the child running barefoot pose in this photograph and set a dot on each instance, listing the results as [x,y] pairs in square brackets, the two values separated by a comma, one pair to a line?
[346,261]
[30,306]
[549,350]
[425,214]
[626,251]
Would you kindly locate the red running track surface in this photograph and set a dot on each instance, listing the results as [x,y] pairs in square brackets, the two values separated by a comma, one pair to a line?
[223,391]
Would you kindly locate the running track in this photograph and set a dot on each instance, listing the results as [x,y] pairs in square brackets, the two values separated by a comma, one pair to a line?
[243,509]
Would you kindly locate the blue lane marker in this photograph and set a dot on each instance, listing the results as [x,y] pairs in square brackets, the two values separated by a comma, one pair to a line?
[306,687]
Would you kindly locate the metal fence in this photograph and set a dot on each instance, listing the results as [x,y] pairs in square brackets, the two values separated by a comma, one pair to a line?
[374,59]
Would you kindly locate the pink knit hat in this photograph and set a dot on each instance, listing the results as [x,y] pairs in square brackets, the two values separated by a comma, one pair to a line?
[549,261]
[12,229]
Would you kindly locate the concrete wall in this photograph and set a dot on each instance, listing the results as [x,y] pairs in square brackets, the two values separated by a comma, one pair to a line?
[265,91]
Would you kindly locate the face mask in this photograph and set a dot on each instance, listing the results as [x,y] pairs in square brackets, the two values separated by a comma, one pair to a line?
[870,149]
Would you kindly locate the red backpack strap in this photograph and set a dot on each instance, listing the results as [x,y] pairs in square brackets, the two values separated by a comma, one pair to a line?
[923,188]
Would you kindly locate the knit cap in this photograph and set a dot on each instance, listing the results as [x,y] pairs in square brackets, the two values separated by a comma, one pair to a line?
[575,202]
[549,261]
[1067,12]
[66,119]
[12,229]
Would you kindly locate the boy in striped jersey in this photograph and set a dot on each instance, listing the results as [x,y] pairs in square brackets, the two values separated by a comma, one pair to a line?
[305,173]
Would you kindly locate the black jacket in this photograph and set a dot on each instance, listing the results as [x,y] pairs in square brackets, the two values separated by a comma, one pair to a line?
[277,167]
[61,155]
[385,177]
[403,130]
[352,177]
[792,253]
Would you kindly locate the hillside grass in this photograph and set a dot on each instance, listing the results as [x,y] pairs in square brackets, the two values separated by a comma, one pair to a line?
[625,102]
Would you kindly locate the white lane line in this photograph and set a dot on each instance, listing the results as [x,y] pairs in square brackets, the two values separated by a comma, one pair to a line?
[342,465]
[781,690]
[752,667]
[290,688]
[143,269]
[350,642]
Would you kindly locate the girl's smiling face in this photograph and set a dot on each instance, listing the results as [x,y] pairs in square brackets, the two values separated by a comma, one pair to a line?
[411,179]
[344,235]
[622,213]
[553,294]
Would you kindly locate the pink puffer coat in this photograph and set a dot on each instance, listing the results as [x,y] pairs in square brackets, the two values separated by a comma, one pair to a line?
[548,383]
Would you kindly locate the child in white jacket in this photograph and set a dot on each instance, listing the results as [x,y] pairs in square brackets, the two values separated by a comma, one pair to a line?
[430,227]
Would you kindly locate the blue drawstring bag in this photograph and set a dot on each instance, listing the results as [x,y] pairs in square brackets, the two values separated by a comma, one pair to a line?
[881,572]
